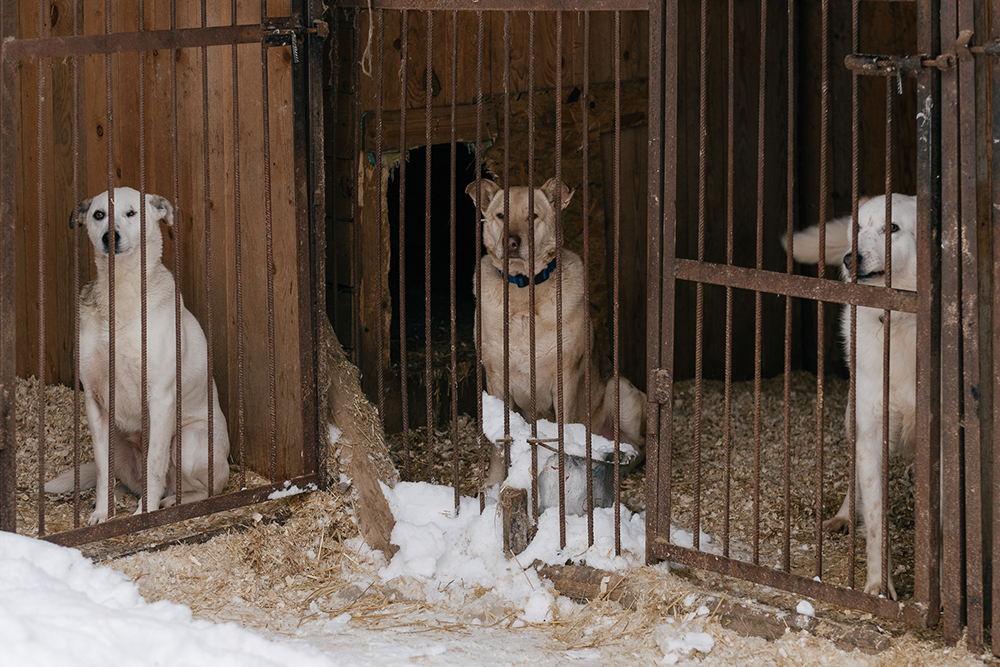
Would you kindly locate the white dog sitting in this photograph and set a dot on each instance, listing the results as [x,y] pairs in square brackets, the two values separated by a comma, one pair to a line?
[868,368]
[161,365]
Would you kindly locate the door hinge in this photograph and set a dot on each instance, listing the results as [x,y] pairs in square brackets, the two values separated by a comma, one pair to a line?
[661,385]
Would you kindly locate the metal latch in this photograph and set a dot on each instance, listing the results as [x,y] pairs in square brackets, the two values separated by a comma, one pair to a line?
[890,65]
[286,32]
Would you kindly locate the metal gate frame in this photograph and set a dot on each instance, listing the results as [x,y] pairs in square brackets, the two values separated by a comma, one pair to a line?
[305,31]
[934,326]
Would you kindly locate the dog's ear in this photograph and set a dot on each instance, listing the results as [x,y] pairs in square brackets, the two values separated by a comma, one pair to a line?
[488,190]
[79,213]
[554,188]
[164,209]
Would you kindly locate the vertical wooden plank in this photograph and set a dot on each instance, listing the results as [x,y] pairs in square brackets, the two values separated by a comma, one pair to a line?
[25,143]
[632,243]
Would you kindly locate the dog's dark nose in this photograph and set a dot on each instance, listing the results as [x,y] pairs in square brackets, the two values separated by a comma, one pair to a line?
[513,243]
[107,247]
[847,260]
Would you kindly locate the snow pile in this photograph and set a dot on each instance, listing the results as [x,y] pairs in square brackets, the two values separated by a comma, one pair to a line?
[447,552]
[805,608]
[575,447]
[57,608]
[678,640]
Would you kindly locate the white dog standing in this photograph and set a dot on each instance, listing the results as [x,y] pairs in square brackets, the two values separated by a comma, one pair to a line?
[868,367]
[161,365]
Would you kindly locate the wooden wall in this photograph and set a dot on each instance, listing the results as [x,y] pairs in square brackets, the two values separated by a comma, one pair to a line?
[202,183]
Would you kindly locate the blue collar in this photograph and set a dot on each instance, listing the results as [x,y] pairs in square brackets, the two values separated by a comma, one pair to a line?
[540,277]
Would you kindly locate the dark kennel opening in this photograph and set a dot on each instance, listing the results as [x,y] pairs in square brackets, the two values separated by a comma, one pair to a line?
[439,260]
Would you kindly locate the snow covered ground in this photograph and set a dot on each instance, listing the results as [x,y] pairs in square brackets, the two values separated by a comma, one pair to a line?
[449,597]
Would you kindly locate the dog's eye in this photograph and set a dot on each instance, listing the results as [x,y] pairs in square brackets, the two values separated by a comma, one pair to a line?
[98,215]
[893,227]
[536,216]
[130,214]
[499,216]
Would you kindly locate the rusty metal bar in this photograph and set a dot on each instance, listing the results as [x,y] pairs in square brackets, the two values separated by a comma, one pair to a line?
[209,306]
[76,282]
[333,146]
[727,435]
[561,412]
[824,211]
[109,127]
[926,495]
[914,614]
[588,347]
[40,191]
[662,236]
[971,406]
[616,374]
[175,168]
[8,441]
[758,297]
[314,414]
[505,5]
[886,344]
[238,250]
[428,351]
[789,267]
[404,48]
[138,522]
[506,235]
[143,287]
[994,510]
[699,318]
[951,371]
[478,277]
[884,65]
[378,324]
[852,398]
[796,286]
[309,201]
[272,391]
[17,50]
[454,265]
[356,58]
[532,361]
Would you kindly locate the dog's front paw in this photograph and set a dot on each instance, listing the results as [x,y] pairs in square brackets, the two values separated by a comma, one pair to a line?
[837,524]
[98,517]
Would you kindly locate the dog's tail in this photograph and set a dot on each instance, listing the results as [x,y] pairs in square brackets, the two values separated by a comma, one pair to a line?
[64,483]
[805,247]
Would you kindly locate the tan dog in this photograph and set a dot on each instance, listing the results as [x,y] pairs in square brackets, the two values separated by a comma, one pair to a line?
[161,365]
[577,328]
